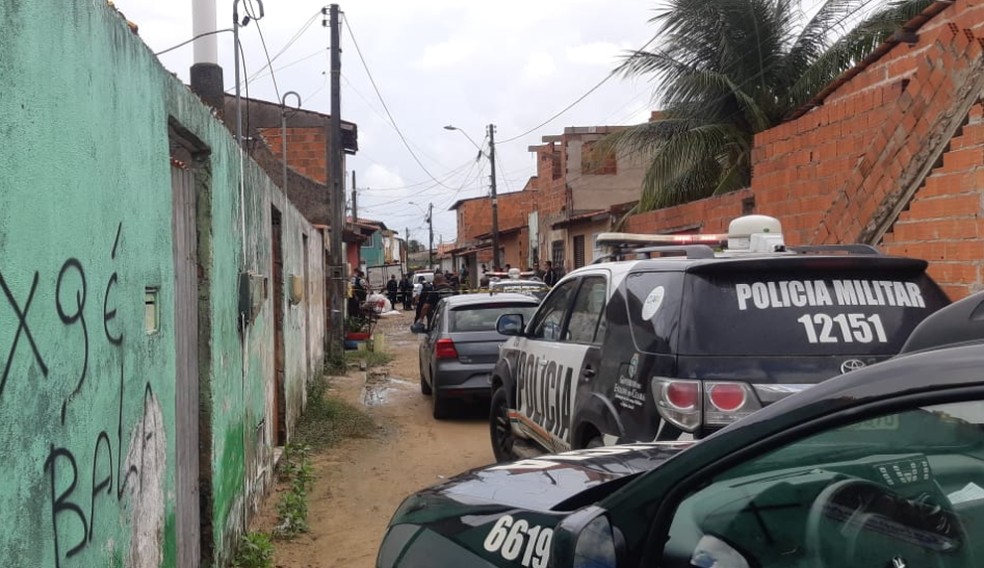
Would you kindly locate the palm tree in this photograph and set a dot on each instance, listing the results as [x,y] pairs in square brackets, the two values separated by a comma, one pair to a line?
[727,69]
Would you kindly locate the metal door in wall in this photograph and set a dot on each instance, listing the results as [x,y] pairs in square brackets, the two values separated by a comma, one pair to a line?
[186,400]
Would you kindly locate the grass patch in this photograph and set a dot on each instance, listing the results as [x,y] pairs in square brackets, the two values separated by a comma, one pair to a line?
[372,358]
[329,420]
[292,509]
[255,551]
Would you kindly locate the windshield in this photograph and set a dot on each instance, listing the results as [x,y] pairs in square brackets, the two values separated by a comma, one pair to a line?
[793,314]
[483,317]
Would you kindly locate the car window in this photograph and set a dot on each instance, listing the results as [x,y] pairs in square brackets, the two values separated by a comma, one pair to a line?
[483,317]
[906,486]
[549,320]
[586,313]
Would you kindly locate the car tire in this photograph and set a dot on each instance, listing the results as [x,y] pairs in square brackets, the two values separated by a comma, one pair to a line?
[500,429]
[425,388]
[440,406]
[594,442]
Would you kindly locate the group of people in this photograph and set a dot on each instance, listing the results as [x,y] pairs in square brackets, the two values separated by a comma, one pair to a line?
[548,275]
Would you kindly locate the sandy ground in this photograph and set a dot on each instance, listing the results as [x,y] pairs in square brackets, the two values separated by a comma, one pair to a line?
[361,482]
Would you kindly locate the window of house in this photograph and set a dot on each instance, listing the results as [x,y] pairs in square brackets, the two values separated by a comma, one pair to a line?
[578,251]
[557,253]
[595,162]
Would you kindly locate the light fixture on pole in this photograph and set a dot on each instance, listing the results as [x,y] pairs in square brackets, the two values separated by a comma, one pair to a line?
[495,200]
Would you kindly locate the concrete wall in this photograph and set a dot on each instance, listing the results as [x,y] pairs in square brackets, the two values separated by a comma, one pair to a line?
[893,156]
[87,398]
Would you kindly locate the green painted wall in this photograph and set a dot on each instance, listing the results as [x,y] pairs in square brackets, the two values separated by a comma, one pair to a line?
[87,409]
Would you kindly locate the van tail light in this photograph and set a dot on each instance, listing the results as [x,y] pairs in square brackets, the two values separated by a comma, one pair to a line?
[691,405]
[726,402]
[678,402]
[444,349]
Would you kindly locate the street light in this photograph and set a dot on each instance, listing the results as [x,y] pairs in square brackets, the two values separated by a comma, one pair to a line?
[430,230]
[495,199]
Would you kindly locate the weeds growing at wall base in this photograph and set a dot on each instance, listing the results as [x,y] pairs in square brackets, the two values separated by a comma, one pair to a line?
[255,551]
[328,420]
[296,471]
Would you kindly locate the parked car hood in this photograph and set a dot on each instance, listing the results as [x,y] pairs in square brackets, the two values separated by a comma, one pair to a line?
[456,523]
[573,479]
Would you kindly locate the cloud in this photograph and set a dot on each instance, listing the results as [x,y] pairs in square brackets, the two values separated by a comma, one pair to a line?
[600,53]
[446,54]
[379,176]
[540,65]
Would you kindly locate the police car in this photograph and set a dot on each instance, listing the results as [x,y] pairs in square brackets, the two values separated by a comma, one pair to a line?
[686,337]
[882,466]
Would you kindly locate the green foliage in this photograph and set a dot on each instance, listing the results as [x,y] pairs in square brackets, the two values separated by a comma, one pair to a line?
[336,364]
[255,551]
[371,358]
[727,69]
[292,509]
[327,419]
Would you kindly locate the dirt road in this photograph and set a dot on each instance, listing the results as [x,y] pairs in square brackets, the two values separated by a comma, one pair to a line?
[361,482]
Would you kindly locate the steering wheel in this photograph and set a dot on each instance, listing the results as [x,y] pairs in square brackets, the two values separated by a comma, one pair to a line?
[854,522]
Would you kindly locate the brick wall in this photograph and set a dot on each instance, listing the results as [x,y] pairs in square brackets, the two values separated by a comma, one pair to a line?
[894,156]
[305,149]
[475,215]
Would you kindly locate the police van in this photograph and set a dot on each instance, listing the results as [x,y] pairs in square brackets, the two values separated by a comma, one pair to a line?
[675,336]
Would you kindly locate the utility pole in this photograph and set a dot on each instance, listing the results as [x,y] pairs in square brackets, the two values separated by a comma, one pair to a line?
[495,200]
[430,231]
[355,202]
[336,194]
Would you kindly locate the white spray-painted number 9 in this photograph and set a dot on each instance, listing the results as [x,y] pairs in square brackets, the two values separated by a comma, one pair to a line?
[653,301]
[512,538]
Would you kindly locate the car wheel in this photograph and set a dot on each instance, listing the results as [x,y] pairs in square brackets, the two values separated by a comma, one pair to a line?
[424,387]
[500,428]
[439,406]
[595,442]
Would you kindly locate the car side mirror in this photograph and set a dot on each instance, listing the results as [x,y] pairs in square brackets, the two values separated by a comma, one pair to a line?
[510,324]
[587,539]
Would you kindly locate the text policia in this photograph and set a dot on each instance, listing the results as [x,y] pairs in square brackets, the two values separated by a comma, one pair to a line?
[801,293]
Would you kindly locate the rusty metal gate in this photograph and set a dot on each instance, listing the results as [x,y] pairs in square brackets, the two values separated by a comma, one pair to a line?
[186,399]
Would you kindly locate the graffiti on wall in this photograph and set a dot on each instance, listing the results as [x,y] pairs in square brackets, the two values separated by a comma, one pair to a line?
[137,476]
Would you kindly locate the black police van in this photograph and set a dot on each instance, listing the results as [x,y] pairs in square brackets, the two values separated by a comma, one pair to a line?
[881,466]
[684,343]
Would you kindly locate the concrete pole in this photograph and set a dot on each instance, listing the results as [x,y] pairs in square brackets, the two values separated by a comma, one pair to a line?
[336,193]
[495,200]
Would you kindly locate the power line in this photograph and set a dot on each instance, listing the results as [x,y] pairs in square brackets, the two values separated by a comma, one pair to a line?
[386,108]
[259,30]
[184,43]
[573,104]
[287,46]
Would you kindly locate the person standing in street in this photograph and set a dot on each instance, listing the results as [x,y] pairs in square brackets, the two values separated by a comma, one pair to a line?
[406,288]
[550,275]
[392,288]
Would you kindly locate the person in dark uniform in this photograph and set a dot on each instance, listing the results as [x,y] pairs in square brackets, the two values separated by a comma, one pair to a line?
[392,289]
[406,292]
[429,300]
[550,276]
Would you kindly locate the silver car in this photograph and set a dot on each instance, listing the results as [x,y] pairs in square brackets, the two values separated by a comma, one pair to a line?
[459,352]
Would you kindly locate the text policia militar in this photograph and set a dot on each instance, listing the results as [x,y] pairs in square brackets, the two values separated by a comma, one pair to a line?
[801,293]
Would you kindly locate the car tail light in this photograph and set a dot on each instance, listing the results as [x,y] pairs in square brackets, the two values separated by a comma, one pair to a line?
[726,402]
[678,402]
[444,349]
[726,397]
[690,404]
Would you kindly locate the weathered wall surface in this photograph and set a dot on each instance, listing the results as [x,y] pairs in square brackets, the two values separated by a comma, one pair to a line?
[87,391]
[894,156]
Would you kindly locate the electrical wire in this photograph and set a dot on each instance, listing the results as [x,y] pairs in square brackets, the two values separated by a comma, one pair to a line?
[184,43]
[287,46]
[386,108]
[273,75]
[573,104]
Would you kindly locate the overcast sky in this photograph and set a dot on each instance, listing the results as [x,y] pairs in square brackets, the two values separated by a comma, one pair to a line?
[435,62]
